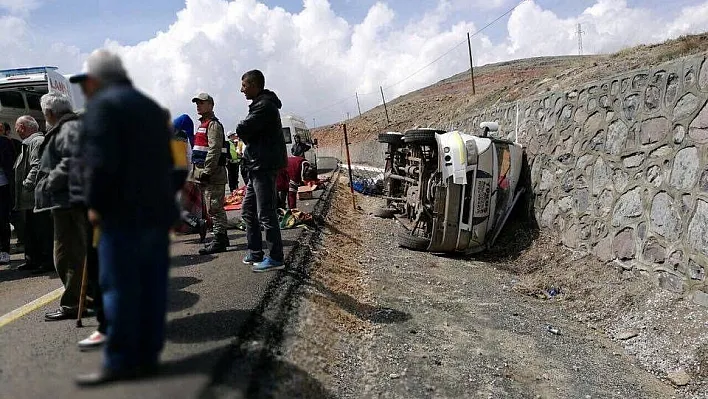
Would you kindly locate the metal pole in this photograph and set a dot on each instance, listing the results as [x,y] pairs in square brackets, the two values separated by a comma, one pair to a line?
[313,122]
[349,165]
[384,103]
[357,103]
[469,47]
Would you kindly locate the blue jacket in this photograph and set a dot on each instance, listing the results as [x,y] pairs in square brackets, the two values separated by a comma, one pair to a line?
[128,161]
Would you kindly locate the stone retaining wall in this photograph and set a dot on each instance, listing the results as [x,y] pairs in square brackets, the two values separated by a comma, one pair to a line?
[620,168]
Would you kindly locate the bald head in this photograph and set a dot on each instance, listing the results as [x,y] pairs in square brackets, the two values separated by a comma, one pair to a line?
[26,126]
[101,68]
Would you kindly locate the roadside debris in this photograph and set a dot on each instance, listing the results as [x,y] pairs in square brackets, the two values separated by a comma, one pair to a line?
[553,330]
[625,335]
[679,378]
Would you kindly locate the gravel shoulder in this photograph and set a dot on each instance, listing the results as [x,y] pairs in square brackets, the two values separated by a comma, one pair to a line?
[376,320]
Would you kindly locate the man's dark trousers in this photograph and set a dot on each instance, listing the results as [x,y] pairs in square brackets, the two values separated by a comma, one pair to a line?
[134,262]
[232,170]
[39,239]
[259,205]
[5,208]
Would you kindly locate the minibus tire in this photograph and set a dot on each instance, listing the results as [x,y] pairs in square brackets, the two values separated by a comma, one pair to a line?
[421,137]
[406,240]
[390,138]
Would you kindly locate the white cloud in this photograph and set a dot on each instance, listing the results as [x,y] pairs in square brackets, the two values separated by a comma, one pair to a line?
[314,57]
[19,6]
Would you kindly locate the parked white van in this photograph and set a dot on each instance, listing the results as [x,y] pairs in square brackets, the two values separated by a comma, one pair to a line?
[293,125]
[21,89]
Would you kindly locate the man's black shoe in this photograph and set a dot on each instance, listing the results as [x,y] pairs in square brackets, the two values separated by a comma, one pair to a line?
[27,266]
[60,314]
[104,375]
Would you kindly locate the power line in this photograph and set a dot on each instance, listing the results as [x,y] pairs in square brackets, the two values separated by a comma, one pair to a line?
[432,62]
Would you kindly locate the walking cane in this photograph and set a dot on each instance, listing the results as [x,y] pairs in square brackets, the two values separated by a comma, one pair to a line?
[84,280]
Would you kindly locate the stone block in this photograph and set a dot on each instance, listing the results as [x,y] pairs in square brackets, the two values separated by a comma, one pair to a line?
[698,228]
[696,271]
[604,203]
[640,81]
[654,130]
[631,107]
[679,134]
[547,180]
[675,259]
[671,282]
[665,220]
[603,249]
[686,106]
[570,236]
[698,129]
[582,200]
[634,160]
[685,170]
[621,180]
[703,182]
[689,78]
[628,207]
[652,99]
[703,76]
[584,161]
[654,176]
[700,298]
[624,245]
[617,134]
[599,229]
[672,90]
[654,252]
[550,212]
[565,204]
[662,152]
[593,124]
[601,176]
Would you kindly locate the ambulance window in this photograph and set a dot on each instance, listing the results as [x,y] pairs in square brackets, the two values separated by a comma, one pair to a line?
[286,135]
[33,101]
[12,99]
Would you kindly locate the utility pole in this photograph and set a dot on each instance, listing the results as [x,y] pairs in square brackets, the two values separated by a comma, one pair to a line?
[357,103]
[313,122]
[469,47]
[384,103]
[347,115]
[580,39]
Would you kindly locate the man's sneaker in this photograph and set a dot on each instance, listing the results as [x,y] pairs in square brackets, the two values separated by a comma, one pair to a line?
[4,258]
[268,265]
[94,341]
[252,260]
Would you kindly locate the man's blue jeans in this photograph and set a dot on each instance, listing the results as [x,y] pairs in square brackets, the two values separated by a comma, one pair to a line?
[134,263]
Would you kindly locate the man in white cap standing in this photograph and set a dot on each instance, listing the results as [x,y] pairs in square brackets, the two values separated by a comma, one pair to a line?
[130,196]
[209,158]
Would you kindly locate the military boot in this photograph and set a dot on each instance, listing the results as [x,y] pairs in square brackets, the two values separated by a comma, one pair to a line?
[218,245]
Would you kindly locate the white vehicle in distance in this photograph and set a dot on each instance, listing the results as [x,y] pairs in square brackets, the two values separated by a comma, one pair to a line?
[21,89]
[452,191]
[293,125]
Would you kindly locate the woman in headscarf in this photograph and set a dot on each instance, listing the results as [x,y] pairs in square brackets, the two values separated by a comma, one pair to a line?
[190,197]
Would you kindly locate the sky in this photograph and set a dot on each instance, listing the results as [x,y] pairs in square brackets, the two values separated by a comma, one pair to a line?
[316,54]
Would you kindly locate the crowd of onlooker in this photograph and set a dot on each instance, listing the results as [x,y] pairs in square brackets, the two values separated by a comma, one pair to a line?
[93,197]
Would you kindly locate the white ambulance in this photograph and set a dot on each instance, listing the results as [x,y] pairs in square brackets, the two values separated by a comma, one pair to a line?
[22,88]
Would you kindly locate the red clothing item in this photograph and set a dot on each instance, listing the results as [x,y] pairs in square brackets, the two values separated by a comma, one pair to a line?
[290,178]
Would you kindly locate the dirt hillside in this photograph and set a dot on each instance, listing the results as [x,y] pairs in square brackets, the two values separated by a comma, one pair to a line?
[447,100]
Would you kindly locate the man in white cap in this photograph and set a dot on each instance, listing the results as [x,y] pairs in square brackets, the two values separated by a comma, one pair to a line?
[130,196]
[209,159]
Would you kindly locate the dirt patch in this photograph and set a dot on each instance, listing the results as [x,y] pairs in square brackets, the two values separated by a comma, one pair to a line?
[382,321]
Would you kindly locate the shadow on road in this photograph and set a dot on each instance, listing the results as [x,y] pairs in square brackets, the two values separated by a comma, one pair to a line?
[374,314]
[205,327]
[179,300]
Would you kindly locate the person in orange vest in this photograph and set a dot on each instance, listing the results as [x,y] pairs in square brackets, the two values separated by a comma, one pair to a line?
[209,159]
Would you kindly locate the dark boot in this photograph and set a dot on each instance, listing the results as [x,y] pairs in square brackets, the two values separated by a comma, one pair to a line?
[219,244]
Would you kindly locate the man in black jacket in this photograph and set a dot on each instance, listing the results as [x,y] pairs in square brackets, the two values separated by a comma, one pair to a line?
[130,196]
[7,161]
[264,156]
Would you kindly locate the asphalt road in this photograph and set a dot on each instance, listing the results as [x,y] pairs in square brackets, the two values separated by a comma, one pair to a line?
[210,298]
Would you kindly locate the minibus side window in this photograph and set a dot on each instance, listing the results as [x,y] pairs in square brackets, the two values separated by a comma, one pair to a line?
[12,99]
[287,136]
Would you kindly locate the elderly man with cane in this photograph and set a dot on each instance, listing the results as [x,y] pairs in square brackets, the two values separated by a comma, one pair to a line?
[52,194]
[130,196]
